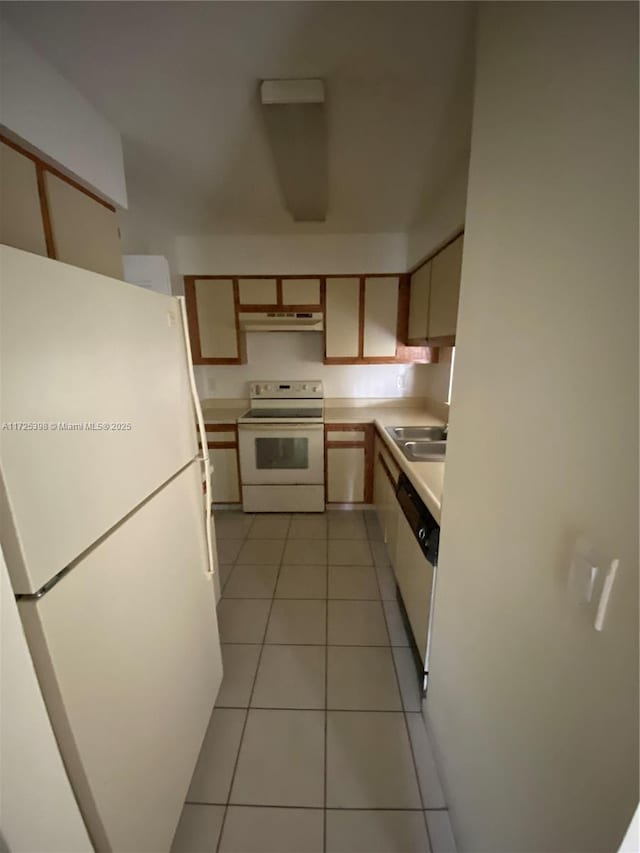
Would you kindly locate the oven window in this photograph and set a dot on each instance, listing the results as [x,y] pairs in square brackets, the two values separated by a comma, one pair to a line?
[274,453]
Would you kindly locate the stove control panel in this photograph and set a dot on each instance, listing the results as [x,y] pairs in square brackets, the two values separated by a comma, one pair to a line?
[287,390]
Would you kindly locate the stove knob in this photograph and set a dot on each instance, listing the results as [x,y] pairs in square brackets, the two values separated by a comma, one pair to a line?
[305,387]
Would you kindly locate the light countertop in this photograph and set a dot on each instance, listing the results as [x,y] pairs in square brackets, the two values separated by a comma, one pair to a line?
[427,477]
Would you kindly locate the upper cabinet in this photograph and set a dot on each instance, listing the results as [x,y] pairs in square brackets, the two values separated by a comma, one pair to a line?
[213,320]
[258,291]
[46,213]
[342,319]
[21,222]
[302,292]
[434,294]
[365,319]
[279,294]
[380,338]
[84,229]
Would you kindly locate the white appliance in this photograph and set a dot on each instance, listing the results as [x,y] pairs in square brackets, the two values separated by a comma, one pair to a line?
[106,538]
[281,321]
[281,447]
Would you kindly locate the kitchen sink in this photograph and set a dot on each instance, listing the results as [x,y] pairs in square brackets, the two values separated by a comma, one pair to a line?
[419,433]
[424,451]
[421,443]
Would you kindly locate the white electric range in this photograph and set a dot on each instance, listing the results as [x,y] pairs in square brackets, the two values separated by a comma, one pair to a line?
[281,447]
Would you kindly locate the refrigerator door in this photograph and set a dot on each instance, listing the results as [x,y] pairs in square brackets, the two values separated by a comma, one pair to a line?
[95,403]
[37,808]
[127,653]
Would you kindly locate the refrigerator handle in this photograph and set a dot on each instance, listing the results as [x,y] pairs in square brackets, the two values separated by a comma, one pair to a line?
[203,436]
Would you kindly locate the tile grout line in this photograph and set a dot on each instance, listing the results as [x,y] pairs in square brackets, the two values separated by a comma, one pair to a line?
[315,808]
[248,709]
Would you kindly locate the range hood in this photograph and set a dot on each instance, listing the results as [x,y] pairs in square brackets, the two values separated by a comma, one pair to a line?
[281,321]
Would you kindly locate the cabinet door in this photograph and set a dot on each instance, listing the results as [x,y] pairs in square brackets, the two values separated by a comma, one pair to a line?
[85,232]
[380,317]
[224,480]
[419,303]
[301,291]
[342,309]
[445,291]
[216,321]
[21,223]
[258,291]
[345,474]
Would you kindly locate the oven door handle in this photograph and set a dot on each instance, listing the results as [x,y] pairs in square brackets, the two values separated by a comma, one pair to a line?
[280,427]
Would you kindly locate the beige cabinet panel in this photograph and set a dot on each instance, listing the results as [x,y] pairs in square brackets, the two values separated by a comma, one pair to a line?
[419,303]
[225,484]
[21,222]
[346,435]
[445,290]
[341,317]
[258,291]
[216,313]
[301,291]
[345,474]
[85,232]
[380,317]
[220,436]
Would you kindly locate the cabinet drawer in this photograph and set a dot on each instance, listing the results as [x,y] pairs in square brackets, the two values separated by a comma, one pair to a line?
[346,436]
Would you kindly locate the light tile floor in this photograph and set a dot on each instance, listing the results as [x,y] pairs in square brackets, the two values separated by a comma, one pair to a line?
[316,744]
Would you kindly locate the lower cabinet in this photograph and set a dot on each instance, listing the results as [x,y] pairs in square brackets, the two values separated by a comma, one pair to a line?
[386,504]
[222,442]
[349,463]
[225,479]
[345,474]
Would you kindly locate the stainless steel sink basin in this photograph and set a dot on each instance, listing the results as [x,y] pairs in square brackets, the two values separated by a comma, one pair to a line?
[424,451]
[421,443]
[419,433]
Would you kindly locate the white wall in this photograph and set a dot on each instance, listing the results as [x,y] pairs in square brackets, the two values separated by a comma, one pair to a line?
[444,216]
[41,108]
[38,811]
[535,714]
[290,254]
[298,355]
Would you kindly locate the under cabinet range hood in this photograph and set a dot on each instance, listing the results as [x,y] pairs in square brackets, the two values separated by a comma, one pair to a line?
[281,321]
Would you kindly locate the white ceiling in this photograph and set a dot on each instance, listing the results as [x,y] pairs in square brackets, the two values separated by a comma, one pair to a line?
[180,81]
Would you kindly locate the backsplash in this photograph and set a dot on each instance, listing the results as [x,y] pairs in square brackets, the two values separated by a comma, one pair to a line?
[299,355]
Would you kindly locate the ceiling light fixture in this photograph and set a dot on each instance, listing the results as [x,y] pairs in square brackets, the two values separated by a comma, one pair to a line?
[296,124]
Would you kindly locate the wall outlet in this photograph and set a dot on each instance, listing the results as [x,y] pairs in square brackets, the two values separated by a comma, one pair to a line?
[401,382]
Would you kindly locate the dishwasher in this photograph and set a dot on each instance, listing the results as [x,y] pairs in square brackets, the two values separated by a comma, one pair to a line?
[415,571]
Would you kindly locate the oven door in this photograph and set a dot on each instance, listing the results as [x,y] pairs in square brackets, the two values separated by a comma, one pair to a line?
[289,454]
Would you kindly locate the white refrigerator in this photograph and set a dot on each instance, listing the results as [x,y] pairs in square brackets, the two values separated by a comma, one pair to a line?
[104,530]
